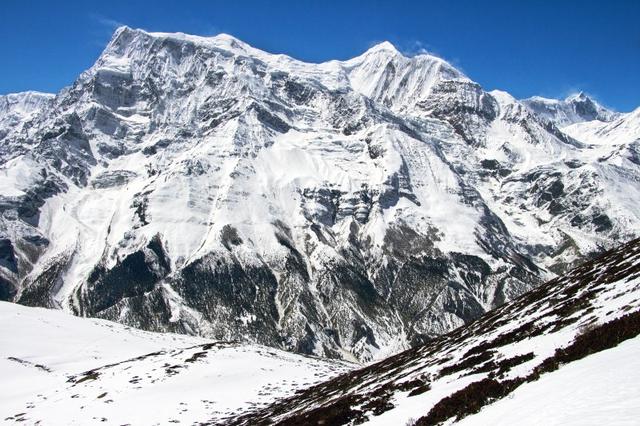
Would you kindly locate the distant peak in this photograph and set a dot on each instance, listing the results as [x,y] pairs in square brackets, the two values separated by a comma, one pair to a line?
[31,93]
[27,96]
[384,46]
[580,96]
[537,98]
[122,34]
[125,34]
[122,28]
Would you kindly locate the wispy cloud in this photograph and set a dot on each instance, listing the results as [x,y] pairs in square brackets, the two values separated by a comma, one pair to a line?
[565,91]
[416,47]
[108,22]
[102,28]
[211,30]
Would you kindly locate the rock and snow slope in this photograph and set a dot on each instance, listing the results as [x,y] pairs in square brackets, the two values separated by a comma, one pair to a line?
[58,369]
[346,209]
[581,329]
[18,109]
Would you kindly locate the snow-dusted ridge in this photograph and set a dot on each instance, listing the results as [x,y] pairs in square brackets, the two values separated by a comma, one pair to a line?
[348,209]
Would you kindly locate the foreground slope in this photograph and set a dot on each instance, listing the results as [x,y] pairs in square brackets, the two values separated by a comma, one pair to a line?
[534,347]
[603,388]
[348,209]
[60,370]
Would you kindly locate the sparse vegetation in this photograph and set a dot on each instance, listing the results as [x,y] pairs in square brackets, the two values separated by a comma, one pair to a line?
[196,356]
[473,397]
[468,400]
[592,340]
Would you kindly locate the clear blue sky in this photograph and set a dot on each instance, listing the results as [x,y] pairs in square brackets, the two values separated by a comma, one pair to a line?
[549,48]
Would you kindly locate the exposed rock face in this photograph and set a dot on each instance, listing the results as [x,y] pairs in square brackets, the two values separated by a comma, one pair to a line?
[345,209]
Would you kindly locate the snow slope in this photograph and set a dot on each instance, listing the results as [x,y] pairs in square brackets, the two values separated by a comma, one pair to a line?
[61,370]
[624,130]
[603,388]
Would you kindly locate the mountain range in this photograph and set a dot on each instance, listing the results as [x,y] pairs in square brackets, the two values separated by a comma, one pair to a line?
[346,209]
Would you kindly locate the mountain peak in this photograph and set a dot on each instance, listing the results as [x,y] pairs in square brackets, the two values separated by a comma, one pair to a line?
[580,96]
[277,165]
[122,28]
[125,30]
[385,46]
[222,37]
[232,42]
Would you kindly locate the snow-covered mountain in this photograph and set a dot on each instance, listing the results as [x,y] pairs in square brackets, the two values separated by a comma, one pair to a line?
[575,108]
[344,209]
[58,369]
[18,108]
[564,353]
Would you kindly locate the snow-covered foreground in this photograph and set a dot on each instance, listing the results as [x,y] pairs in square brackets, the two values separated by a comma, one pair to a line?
[602,389]
[61,370]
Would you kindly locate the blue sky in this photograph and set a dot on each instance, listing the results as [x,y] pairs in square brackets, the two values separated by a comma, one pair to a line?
[549,48]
